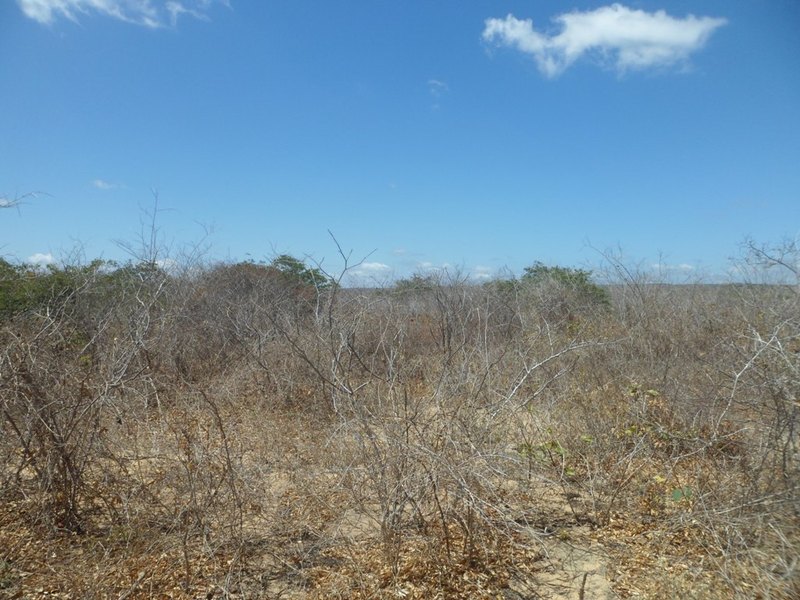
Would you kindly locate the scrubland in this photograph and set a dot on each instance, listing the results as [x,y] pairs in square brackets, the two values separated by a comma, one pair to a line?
[248,431]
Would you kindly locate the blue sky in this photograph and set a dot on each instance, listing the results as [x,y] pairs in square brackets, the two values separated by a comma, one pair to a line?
[477,135]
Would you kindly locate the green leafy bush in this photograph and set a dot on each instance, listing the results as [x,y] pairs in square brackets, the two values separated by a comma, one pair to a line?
[298,272]
[416,283]
[24,288]
[574,283]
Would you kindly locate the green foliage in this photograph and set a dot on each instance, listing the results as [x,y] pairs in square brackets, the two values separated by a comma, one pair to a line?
[25,288]
[503,287]
[681,493]
[576,281]
[12,283]
[416,283]
[296,271]
[548,453]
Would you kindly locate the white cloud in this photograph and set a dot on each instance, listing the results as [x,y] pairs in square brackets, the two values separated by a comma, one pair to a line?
[429,266]
[167,264]
[102,184]
[482,273]
[369,272]
[148,13]
[373,268]
[626,38]
[41,260]
[683,267]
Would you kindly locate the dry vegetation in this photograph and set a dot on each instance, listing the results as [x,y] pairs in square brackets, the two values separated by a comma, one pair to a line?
[236,431]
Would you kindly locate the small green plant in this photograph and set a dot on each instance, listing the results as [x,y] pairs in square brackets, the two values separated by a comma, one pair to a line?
[681,493]
[548,453]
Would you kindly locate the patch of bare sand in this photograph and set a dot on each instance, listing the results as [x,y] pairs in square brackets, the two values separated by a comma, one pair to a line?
[575,567]
[573,564]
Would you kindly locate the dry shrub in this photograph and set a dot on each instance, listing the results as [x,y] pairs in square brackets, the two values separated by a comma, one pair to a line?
[224,431]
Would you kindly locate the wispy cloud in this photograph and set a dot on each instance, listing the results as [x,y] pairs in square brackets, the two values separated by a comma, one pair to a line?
[147,13]
[168,264]
[433,267]
[368,273]
[176,9]
[482,273]
[372,269]
[681,268]
[627,39]
[41,260]
[437,88]
[102,184]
